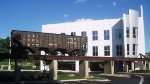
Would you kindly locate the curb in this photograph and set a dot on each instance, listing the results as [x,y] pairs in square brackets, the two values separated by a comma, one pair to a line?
[73,80]
[85,80]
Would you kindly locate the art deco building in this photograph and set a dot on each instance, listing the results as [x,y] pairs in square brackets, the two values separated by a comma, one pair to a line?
[118,37]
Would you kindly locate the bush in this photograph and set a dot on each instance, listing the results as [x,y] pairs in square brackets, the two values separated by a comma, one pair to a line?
[27,66]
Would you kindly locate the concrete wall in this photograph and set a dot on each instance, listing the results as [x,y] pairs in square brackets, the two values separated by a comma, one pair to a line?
[134,19]
[88,26]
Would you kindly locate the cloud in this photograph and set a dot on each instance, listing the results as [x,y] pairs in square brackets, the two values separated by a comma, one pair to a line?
[66,15]
[122,0]
[80,1]
[114,3]
[100,5]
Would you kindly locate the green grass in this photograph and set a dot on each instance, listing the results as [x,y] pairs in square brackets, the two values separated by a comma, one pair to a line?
[24,65]
[65,76]
[4,63]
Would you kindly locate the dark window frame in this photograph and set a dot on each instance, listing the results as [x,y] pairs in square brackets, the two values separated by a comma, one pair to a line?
[95,35]
[73,33]
[127,32]
[106,35]
[95,50]
[135,31]
[128,49]
[119,34]
[106,50]
[119,50]
[83,33]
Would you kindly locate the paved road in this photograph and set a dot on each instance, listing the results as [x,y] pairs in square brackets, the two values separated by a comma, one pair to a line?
[146,78]
[134,79]
[114,80]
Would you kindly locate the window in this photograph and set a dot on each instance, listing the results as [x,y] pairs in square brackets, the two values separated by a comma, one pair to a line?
[83,34]
[134,49]
[128,48]
[63,34]
[118,50]
[107,50]
[135,30]
[73,33]
[119,33]
[95,50]
[127,32]
[106,34]
[95,35]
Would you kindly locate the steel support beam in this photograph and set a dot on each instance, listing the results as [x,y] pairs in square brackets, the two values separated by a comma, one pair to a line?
[49,57]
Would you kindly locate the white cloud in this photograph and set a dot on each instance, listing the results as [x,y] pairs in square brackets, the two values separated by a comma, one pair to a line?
[80,1]
[122,0]
[66,15]
[100,5]
[114,3]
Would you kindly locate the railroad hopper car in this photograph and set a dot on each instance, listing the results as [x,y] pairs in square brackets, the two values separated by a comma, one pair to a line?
[51,43]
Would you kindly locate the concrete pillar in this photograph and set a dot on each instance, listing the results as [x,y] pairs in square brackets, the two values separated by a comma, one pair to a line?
[9,66]
[148,65]
[112,67]
[127,67]
[53,67]
[17,70]
[109,67]
[76,65]
[132,66]
[144,65]
[83,69]
[42,66]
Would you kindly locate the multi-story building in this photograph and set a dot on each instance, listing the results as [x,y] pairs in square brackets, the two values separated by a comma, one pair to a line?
[119,37]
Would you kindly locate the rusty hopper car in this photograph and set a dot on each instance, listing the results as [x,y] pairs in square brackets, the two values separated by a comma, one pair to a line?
[52,44]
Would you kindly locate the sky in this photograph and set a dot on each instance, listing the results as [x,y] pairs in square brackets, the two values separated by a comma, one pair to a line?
[30,15]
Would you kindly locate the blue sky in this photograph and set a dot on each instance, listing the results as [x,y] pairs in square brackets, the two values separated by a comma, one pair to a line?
[30,15]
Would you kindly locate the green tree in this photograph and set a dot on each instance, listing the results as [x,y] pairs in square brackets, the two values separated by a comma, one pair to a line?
[4,45]
[148,54]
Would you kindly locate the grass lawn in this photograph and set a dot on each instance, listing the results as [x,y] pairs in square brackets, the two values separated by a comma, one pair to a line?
[65,76]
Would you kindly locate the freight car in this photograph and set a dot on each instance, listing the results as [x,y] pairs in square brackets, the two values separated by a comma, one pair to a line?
[51,43]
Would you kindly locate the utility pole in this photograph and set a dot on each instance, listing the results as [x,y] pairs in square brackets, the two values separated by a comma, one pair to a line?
[9,66]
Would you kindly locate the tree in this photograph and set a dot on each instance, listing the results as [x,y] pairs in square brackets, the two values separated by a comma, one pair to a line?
[4,45]
[148,54]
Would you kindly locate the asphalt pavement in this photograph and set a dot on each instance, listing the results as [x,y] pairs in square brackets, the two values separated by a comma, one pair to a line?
[114,79]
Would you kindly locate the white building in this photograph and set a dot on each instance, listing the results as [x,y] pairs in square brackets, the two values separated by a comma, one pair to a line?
[119,37]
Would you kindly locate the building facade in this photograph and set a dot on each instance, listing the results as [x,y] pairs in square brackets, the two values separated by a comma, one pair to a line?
[120,37]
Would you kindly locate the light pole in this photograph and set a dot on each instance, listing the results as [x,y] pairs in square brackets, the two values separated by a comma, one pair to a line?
[9,66]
